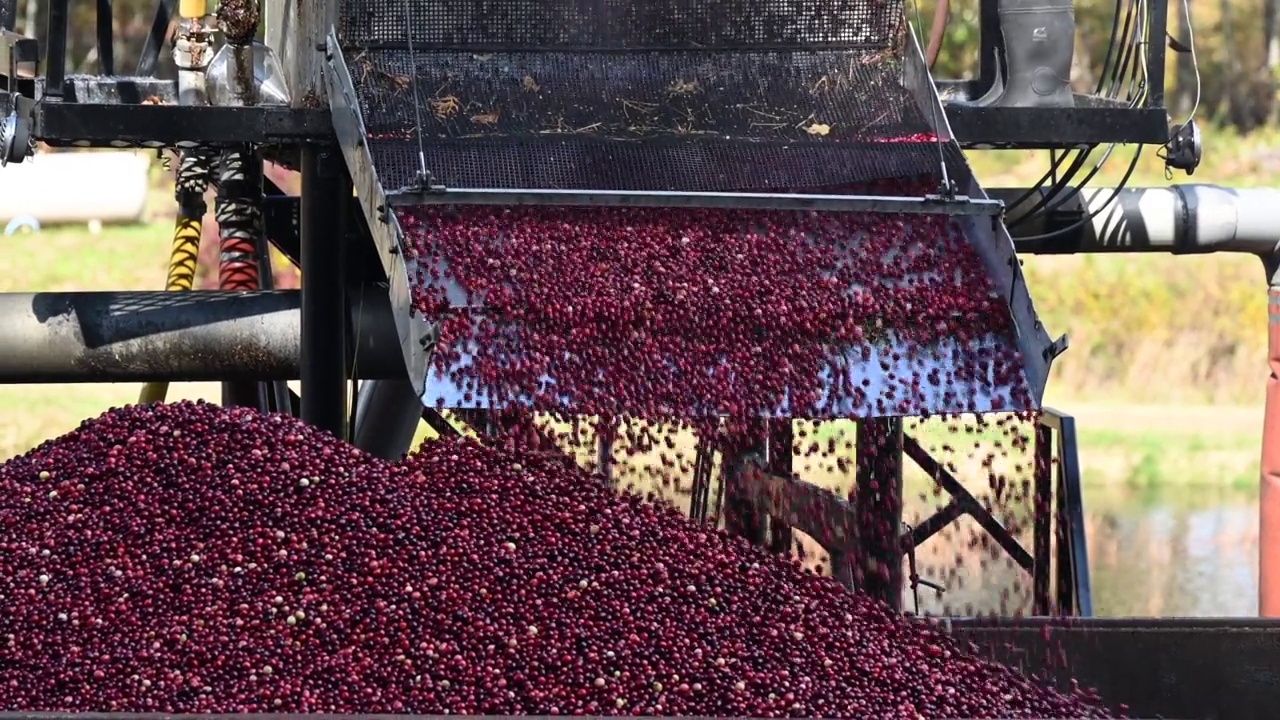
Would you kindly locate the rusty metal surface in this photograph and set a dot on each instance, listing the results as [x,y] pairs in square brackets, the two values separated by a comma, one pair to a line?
[1269,489]
[1213,668]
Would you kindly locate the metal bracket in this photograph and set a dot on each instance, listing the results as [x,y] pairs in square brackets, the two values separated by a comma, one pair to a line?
[929,204]
[19,59]
[1056,348]
[423,183]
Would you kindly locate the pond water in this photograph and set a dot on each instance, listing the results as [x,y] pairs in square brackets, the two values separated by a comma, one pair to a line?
[1184,551]
[1154,553]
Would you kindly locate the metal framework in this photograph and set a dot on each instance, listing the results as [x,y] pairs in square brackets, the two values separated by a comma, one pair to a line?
[345,324]
[1093,119]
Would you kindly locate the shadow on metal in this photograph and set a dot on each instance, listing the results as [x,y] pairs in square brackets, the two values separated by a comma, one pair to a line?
[1212,668]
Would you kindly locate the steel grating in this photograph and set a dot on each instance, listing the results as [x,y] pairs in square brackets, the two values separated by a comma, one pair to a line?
[759,106]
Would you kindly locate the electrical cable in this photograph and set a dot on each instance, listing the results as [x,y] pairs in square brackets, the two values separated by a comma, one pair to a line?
[194,175]
[1057,196]
[1115,193]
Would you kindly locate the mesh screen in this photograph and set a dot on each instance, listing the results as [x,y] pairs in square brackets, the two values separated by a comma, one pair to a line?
[709,95]
[512,25]
[679,120]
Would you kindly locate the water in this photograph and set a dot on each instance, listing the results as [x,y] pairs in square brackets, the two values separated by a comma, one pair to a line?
[1153,552]
[1173,552]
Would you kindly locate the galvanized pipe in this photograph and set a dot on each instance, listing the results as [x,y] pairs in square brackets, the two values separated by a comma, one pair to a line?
[88,337]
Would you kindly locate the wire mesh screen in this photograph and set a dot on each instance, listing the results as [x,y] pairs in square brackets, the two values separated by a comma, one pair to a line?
[709,95]
[513,25]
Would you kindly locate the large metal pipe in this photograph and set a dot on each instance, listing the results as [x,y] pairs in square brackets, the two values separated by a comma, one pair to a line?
[1175,219]
[387,416]
[85,337]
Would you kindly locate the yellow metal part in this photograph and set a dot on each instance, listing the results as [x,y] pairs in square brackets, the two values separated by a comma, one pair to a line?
[182,276]
[192,9]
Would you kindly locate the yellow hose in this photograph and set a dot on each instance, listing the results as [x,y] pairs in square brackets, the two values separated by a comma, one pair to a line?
[182,272]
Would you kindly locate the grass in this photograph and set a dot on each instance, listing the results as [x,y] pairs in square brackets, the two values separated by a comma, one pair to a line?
[1165,370]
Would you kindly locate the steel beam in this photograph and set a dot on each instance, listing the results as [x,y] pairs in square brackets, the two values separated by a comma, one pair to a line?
[200,336]
[324,332]
[878,504]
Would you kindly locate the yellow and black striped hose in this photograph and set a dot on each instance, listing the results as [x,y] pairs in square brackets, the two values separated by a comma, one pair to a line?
[194,174]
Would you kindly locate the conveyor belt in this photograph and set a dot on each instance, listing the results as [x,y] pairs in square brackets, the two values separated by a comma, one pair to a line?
[699,103]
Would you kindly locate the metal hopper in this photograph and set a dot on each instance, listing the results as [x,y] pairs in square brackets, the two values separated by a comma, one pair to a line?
[693,104]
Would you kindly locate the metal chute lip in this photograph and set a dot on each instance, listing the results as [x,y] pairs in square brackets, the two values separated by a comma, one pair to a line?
[960,205]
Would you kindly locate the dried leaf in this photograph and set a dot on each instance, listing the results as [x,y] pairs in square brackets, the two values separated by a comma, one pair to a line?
[445,107]
[489,118]
[680,87]
[819,129]
[529,84]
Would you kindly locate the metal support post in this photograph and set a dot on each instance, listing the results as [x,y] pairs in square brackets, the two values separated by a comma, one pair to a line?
[878,504]
[325,189]
[1042,528]
[55,63]
[1269,489]
[741,517]
[780,439]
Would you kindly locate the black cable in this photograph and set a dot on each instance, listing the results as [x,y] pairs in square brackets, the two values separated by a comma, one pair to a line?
[1122,70]
[1111,47]
[1078,162]
[1056,197]
[1115,193]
